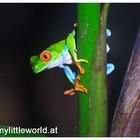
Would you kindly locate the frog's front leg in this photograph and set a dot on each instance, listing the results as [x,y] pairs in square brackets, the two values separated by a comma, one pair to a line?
[81,69]
[70,41]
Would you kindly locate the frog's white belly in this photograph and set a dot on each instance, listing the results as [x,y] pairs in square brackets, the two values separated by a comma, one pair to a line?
[65,58]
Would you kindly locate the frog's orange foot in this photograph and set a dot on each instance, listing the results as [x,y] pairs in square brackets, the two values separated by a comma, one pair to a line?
[69,92]
[79,87]
[82,70]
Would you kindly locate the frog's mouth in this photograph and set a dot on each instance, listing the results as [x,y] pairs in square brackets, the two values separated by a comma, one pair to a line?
[36,69]
[33,63]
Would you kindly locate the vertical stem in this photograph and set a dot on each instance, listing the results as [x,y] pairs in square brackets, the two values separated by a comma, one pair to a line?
[98,96]
[91,46]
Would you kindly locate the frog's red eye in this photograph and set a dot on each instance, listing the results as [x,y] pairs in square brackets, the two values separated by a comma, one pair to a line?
[45,56]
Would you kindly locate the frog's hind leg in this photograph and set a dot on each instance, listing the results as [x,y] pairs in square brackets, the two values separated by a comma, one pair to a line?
[71,77]
[82,70]
[74,79]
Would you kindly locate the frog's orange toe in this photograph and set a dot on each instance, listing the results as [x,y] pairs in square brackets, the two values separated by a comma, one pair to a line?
[69,92]
[72,93]
[85,90]
[79,87]
[82,70]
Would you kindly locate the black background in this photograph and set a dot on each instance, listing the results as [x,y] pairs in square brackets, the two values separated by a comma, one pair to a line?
[34,100]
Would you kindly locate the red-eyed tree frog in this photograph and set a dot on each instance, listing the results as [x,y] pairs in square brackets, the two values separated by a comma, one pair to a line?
[61,54]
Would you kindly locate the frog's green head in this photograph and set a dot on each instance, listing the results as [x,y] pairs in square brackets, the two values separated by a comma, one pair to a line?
[41,62]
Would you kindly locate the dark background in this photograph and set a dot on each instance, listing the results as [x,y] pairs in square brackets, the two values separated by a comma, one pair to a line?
[34,100]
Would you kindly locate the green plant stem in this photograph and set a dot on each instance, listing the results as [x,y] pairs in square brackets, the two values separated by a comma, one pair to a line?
[92,46]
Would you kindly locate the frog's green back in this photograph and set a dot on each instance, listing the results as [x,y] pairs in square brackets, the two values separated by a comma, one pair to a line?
[57,47]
